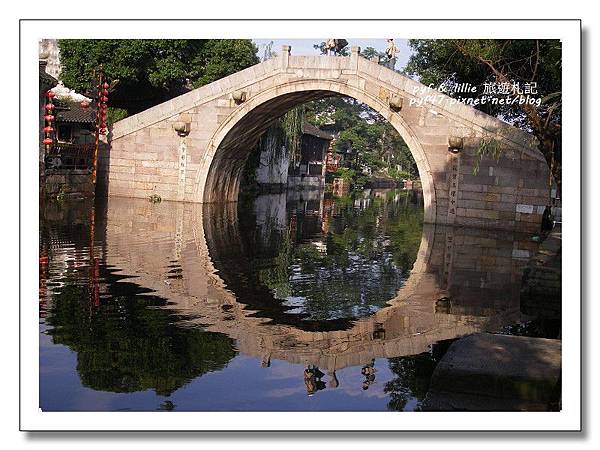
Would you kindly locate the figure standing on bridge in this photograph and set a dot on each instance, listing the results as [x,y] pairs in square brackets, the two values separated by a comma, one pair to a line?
[330,46]
[335,46]
[390,52]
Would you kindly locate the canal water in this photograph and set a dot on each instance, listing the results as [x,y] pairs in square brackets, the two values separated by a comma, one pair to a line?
[292,301]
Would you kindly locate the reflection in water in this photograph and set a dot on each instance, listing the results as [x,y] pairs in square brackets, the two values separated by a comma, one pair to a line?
[124,340]
[177,306]
[319,263]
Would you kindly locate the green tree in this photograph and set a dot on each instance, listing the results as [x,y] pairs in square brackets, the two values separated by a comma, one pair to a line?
[151,71]
[481,61]
[370,52]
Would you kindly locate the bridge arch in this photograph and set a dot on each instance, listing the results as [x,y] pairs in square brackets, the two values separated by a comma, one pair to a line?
[231,143]
[193,148]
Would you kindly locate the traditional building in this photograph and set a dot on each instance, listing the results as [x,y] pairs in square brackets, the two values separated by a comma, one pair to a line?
[309,172]
[65,164]
[275,168]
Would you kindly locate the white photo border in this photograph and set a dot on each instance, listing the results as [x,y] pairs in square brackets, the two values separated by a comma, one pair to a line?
[31,416]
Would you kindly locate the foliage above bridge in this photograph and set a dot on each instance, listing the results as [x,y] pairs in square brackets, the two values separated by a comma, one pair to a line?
[152,70]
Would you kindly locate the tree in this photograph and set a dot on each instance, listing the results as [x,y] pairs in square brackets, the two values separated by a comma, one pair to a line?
[152,70]
[370,53]
[513,63]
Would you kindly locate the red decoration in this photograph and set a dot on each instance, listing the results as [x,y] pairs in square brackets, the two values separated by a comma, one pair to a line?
[105,85]
[49,118]
[105,92]
[49,106]
[47,141]
[48,129]
[50,94]
[84,104]
[104,99]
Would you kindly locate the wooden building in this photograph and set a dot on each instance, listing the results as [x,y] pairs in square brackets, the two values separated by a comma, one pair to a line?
[309,171]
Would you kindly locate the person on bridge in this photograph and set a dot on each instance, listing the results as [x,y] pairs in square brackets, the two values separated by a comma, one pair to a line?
[330,46]
[335,46]
[390,52]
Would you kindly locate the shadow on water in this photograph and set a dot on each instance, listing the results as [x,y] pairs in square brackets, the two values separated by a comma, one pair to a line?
[354,292]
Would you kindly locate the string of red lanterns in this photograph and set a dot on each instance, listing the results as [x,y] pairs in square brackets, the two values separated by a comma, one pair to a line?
[101,116]
[48,119]
[102,102]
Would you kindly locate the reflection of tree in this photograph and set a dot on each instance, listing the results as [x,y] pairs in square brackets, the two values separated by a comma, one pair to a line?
[356,267]
[125,345]
[413,374]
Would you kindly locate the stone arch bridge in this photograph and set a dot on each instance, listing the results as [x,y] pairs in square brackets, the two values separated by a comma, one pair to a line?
[193,148]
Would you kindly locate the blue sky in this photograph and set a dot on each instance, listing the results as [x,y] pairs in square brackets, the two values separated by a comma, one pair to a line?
[305,46]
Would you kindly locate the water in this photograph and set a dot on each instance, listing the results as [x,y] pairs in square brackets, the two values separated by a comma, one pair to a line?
[285,302]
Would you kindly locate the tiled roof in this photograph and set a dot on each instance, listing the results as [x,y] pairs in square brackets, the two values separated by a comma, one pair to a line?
[74,113]
[307,128]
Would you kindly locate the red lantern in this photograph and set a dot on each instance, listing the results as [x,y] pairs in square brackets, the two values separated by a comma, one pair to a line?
[48,129]
[47,141]
[49,118]
[103,105]
[49,106]
[105,85]
[105,92]
[50,94]
[104,99]
[84,104]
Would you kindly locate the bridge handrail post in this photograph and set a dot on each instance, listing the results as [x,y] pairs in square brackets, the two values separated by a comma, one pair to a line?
[285,56]
[354,54]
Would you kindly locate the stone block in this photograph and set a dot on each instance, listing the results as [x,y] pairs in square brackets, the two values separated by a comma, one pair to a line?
[487,372]
[145,156]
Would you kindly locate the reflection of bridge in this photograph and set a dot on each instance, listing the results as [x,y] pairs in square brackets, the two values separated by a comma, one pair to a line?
[193,148]
[463,281]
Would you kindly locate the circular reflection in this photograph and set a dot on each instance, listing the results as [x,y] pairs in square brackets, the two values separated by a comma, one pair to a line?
[315,261]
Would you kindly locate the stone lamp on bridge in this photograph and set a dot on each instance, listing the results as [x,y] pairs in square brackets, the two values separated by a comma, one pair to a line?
[183,125]
[455,144]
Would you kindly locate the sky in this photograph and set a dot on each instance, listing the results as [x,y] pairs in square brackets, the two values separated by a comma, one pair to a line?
[305,46]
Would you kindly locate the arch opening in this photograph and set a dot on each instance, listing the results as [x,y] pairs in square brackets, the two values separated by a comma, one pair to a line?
[287,245]
[239,134]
